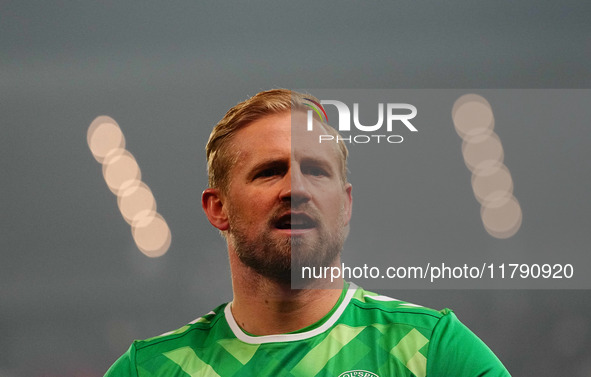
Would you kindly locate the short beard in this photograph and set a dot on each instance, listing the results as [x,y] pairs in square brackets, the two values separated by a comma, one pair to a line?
[267,257]
[274,258]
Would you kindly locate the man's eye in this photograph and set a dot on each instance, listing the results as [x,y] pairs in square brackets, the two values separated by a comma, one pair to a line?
[271,172]
[315,171]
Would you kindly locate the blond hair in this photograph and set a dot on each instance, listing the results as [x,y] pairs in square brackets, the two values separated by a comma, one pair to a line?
[218,150]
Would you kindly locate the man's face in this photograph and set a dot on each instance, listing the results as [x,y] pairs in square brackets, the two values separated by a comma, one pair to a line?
[286,198]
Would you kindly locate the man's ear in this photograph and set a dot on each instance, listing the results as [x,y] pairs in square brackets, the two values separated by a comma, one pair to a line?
[348,203]
[211,201]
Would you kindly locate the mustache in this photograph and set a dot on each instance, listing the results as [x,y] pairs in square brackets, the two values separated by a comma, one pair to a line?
[305,209]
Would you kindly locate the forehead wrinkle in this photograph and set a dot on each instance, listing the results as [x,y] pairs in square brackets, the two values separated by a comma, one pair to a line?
[318,153]
[269,162]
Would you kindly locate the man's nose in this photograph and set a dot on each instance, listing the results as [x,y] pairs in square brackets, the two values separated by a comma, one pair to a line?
[295,188]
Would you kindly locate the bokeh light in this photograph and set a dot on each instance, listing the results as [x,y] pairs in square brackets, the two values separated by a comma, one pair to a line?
[120,170]
[123,177]
[151,234]
[472,116]
[483,154]
[133,200]
[103,136]
[492,182]
[481,149]
[502,218]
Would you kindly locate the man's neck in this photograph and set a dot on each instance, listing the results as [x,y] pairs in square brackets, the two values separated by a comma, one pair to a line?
[262,306]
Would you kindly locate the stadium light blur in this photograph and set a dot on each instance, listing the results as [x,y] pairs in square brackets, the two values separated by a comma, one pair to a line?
[151,234]
[122,175]
[483,154]
[480,149]
[120,170]
[134,200]
[103,136]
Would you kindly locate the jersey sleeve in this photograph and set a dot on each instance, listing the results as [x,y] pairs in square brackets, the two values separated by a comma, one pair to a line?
[454,350]
[124,366]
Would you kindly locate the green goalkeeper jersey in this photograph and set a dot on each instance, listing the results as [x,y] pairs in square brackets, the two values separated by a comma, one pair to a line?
[364,335]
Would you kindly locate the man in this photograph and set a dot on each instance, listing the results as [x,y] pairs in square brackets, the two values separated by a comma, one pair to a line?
[282,201]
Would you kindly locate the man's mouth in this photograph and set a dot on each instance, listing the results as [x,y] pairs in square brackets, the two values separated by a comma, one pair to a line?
[295,221]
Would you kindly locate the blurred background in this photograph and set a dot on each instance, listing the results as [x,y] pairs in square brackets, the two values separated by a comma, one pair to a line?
[75,290]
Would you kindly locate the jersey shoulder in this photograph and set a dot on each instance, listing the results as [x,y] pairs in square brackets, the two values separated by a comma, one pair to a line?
[427,341]
[385,310]
[196,334]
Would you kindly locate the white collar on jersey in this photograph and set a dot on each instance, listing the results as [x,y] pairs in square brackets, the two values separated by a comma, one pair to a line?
[288,337]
